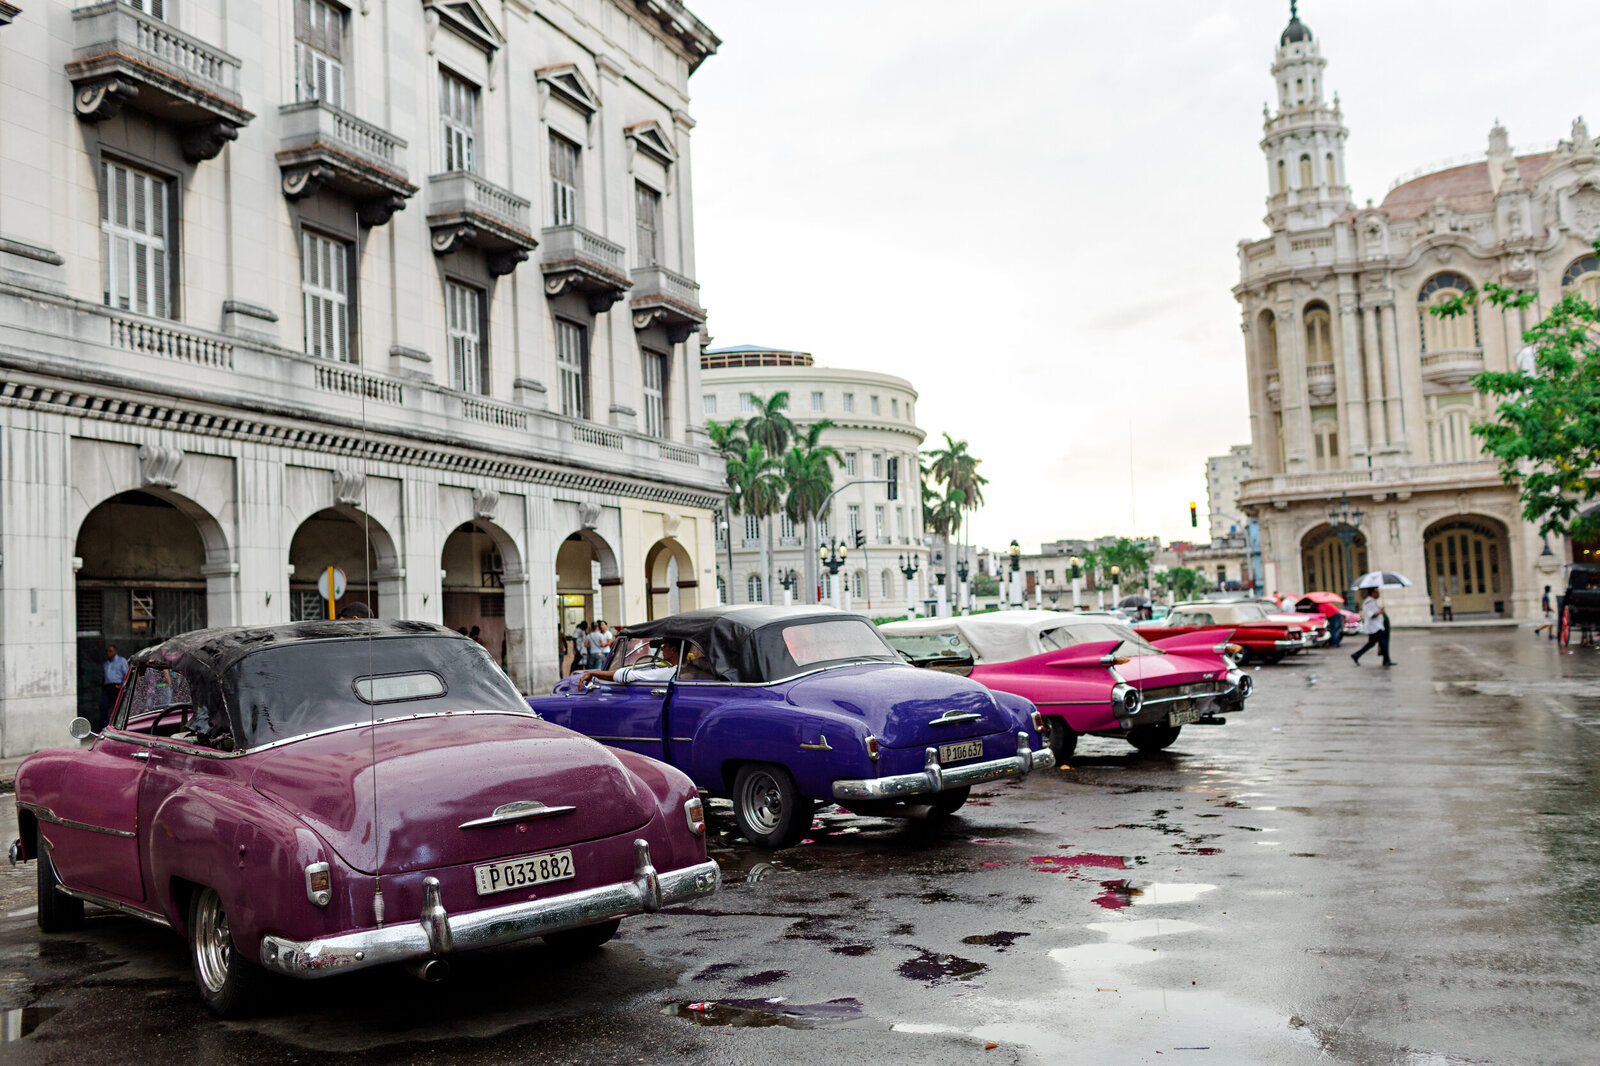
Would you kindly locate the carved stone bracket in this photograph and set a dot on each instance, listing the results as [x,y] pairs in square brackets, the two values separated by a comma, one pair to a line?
[449,238]
[206,140]
[158,465]
[103,99]
[588,515]
[349,486]
[485,502]
[502,263]
[670,524]
[300,182]
[378,210]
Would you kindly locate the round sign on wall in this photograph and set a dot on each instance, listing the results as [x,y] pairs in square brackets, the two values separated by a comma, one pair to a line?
[338,583]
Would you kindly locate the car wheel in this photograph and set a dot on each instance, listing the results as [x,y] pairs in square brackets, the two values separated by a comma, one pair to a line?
[1062,739]
[768,805]
[1154,737]
[950,801]
[585,938]
[229,984]
[58,912]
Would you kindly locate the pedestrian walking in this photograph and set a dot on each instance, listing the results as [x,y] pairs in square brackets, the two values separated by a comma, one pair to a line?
[1447,608]
[597,643]
[580,647]
[113,672]
[1375,624]
[1336,628]
[1549,623]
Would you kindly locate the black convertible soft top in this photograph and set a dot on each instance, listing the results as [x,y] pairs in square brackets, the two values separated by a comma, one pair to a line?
[747,643]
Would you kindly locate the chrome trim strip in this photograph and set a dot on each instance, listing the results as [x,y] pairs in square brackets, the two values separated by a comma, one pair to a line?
[636,740]
[1068,703]
[681,740]
[116,905]
[821,744]
[937,778]
[648,890]
[47,815]
[956,718]
[518,811]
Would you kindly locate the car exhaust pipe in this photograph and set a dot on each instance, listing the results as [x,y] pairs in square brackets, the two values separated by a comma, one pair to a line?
[430,970]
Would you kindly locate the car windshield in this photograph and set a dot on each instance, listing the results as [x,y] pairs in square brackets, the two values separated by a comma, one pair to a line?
[834,640]
[1242,612]
[931,647]
[1090,632]
[306,686]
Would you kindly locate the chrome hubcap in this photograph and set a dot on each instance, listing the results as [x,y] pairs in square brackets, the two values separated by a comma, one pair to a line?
[762,803]
[213,947]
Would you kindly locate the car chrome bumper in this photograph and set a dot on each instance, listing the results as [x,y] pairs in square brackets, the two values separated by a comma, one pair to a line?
[938,778]
[438,932]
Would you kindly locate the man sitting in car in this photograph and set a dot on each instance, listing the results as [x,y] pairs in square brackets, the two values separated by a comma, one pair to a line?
[664,669]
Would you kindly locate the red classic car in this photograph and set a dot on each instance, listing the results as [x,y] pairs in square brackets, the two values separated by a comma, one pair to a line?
[1086,673]
[1245,624]
[320,797]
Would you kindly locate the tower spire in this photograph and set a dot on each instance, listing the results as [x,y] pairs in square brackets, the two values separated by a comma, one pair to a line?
[1304,139]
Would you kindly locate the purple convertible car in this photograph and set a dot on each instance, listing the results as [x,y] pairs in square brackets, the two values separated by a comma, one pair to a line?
[780,708]
[315,798]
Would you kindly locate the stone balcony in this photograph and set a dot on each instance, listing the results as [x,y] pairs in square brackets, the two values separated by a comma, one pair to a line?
[8,12]
[575,260]
[1274,389]
[323,146]
[465,209]
[122,56]
[1321,382]
[660,295]
[1280,490]
[1452,368]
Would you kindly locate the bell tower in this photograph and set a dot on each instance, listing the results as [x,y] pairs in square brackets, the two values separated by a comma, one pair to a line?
[1304,140]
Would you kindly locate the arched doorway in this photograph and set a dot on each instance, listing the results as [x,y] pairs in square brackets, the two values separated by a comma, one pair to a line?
[588,583]
[1467,557]
[670,574]
[332,537]
[474,590]
[1322,560]
[142,580]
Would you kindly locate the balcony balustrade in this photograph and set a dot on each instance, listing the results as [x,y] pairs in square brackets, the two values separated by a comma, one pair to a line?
[1321,383]
[575,260]
[325,146]
[1274,389]
[661,295]
[122,56]
[1452,368]
[465,209]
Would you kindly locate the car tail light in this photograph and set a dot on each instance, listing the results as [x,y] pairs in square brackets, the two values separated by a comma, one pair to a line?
[872,748]
[1038,723]
[695,812]
[319,884]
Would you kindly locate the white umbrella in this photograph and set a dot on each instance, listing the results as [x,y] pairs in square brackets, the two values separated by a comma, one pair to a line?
[1382,579]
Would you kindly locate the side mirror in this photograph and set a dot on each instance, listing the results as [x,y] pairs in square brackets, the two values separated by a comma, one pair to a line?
[80,729]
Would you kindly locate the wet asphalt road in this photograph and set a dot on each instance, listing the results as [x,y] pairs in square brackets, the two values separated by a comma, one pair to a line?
[1369,866]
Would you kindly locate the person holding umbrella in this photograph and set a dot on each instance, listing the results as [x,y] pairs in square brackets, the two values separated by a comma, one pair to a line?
[1374,620]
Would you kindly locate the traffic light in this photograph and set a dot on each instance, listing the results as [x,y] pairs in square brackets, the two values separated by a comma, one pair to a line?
[894,477]
[861,538]
[1194,516]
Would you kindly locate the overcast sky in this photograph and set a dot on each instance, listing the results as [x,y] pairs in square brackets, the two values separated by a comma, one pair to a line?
[1030,210]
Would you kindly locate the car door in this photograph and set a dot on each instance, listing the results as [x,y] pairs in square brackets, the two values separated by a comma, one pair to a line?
[696,691]
[624,716]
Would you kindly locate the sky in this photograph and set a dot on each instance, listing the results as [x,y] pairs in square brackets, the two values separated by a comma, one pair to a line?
[1031,210]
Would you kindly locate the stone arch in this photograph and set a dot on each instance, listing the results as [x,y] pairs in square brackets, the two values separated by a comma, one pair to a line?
[485,585]
[670,577]
[584,560]
[345,537]
[1323,567]
[1468,557]
[1447,334]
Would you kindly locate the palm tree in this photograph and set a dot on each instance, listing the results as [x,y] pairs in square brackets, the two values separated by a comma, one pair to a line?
[941,513]
[809,477]
[771,428]
[760,486]
[728,439]
[954,465]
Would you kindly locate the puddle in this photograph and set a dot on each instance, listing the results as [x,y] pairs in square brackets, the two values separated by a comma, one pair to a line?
[1117,895]
[1057,864]
[756,1013]
[936,969]
[853,950]
[1147,893]
[759,980]
[22,1021]
[1001,940]
[716,969]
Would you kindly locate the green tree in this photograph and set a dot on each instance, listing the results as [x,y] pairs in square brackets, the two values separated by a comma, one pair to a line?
[808,477]
[1187,583]
[728,439]
[1546,436]
[1131,557]
[761,489]
[956,468]
[771,428]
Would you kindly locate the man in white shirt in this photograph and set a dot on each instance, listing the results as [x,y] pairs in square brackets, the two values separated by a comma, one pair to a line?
[644,672]
[1375,624]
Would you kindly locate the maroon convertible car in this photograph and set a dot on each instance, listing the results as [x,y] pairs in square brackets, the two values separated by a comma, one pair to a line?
[319,797]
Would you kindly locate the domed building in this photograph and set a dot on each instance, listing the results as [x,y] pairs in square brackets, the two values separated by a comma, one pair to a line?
[1360,399]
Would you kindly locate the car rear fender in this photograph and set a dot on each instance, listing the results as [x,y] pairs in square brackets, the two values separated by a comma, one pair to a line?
[815,746]
[1196,642]
[253,853]
[672,789]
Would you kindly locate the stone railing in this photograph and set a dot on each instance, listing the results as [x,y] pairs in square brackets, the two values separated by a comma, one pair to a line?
[1452,366]
[658,281]
[460,190]
[676,453]
[1274,387]
[493,413]
[1321,382]
[575,242]
[313,121]
[1262,490]
[117,27]
[352,381]
[169,340]
[585,433]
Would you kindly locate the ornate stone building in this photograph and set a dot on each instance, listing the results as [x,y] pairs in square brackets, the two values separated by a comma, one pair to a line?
[401,288]
[1356,391]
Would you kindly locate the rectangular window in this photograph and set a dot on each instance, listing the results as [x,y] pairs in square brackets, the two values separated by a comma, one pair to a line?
[563,181]
[873,401]
[900,521]
[153,8]
[647,223]
[785,526]
[849,402]
[877,464]
[747,404]
[458,122]
[709,403]
[319,52]
[135,239]
[572,368]
[655,407]
[822,530]
[894,407]
[850,464]
[816,401]
[880,524]
[752,527]
[325,292]
[464,328]
[852,522]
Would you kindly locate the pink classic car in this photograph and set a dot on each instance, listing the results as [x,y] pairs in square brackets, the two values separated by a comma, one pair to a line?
[1087,673]
[320,797]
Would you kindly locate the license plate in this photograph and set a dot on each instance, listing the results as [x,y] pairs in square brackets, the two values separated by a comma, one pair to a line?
[1184,717]
[972,749]
[521,872]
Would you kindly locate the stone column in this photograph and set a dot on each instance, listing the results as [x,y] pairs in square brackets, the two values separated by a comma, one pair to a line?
[1352,396]
[1295,402]
[1379,437]
[1394,390]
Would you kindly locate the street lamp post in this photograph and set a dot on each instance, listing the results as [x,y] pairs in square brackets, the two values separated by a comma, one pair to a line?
[789,581]
[1077,576]
[963,590]
[833,556]
[1346,524]
[908,567]
[1116,586]
[1015,597]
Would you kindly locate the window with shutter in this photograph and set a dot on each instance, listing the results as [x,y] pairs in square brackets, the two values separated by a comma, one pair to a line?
[647,222]
[319,52]
[655,408]
[458,122]
[572,367]
[563,181]
[325,290]
[464,327]
[135,267]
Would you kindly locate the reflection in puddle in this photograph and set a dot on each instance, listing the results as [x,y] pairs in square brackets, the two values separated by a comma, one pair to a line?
[1001,940]
[21,1021]
[751,1013]
[1146,893]
[936,969]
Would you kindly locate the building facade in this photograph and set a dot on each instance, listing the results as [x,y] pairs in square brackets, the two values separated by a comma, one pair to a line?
[401,289]
[1359,397]
[1224,475]
[874,420]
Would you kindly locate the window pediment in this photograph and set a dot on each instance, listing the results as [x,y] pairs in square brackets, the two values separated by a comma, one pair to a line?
[566,83]
[652,140]
[469,19]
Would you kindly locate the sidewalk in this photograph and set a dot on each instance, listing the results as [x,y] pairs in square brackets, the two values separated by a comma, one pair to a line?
[1471,623]
[8,773]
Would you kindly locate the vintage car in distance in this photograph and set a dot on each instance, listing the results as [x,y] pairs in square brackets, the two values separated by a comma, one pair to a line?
[320,797]
[1087,673]
[1314,623]
[780,708]
[1245,624]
